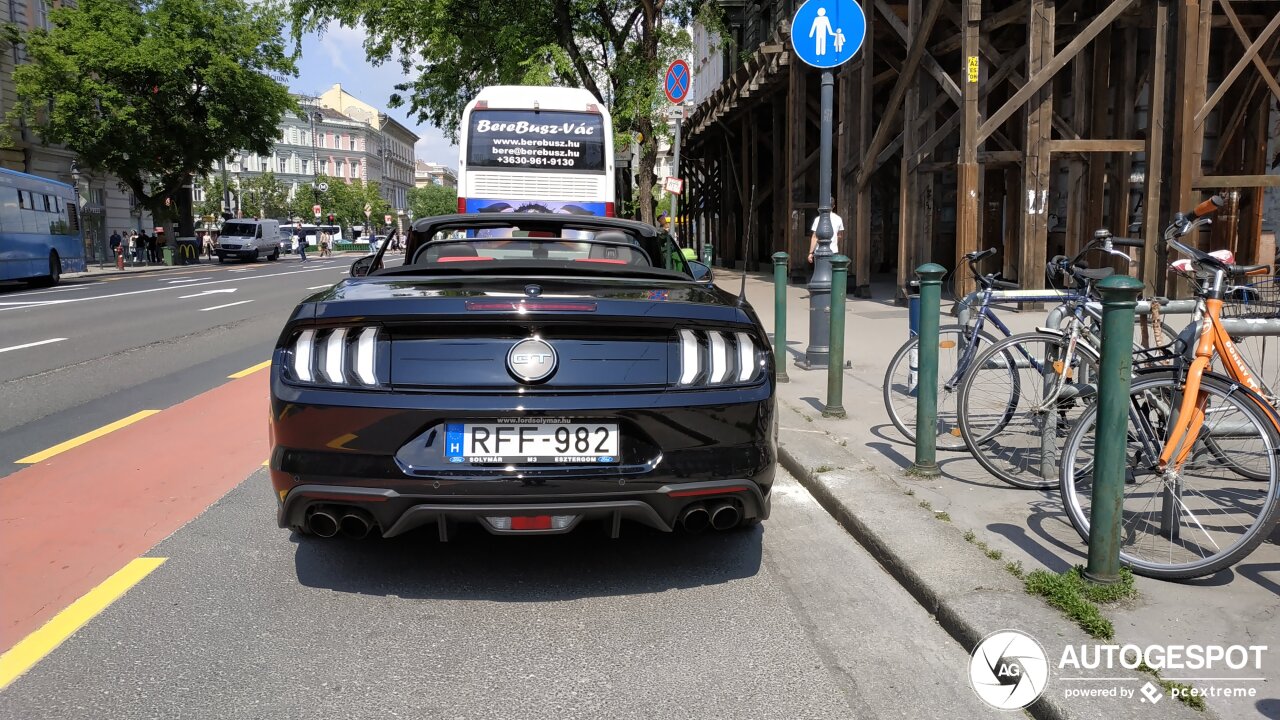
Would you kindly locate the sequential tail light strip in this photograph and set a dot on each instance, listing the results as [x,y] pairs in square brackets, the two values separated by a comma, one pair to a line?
[688,357]
[364,356]
[334,348]
[719,358]
[746,357]
[302,356]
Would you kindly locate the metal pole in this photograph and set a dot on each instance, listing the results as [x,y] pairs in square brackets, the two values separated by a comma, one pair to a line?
[780,316]
[1119,298]
[675,172]
[835,371]
[817,354]
[926,464]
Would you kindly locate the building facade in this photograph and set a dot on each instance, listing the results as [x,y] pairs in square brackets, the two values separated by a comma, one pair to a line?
[425,173]
[395,152]
[104,205]
[316,141]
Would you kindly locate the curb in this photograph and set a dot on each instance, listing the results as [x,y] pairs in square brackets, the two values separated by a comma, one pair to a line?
[969,595]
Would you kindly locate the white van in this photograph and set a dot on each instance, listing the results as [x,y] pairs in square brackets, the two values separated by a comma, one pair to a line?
[249,240]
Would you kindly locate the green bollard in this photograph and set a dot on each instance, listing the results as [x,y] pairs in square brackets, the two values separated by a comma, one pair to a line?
[926,464]
[835,368]
[780,316]
[1119,299]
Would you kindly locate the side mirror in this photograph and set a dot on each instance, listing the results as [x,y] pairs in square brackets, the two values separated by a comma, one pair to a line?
[364,266]
[701,271]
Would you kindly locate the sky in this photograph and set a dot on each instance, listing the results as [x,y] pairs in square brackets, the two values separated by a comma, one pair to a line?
[338,57]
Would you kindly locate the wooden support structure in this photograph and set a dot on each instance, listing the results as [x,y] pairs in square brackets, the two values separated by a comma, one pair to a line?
[1020,124]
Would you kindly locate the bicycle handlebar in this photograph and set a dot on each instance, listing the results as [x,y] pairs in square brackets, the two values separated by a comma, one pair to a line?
[1127,242]
[1207,207]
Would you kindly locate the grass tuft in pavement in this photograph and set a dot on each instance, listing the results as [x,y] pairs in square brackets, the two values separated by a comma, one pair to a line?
[942,515]
[1078,598]
[1195,702]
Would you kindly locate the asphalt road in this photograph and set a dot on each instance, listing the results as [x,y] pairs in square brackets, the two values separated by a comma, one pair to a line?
[243,620]
[101,348]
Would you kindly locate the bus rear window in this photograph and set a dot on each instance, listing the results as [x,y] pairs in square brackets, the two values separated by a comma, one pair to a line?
[529,140]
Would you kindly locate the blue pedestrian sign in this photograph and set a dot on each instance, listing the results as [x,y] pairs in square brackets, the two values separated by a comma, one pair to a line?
[827,33]
[677,83]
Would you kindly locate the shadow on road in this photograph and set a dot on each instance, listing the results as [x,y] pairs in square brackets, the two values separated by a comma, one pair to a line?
[475,565]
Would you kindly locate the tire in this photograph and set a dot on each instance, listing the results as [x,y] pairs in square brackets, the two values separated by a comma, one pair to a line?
[900,399]
[274,256]
[222,260]
[55,272]
[1001,409]
[1249,434]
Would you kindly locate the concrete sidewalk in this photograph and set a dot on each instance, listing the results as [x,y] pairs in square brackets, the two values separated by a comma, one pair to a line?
[855,467]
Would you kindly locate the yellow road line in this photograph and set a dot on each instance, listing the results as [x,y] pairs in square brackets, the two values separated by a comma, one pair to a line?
[91,435]
[31,649]
[250,370]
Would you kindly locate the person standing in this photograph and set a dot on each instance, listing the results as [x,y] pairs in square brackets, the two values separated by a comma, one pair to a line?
[837,232]
[302,246]
[140,248]
[114,240]
[153,251]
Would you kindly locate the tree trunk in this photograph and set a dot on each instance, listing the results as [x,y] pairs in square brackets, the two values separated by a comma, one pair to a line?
[184,206]
[644,171]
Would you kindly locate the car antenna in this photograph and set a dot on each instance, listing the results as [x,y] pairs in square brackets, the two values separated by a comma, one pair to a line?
[746,243]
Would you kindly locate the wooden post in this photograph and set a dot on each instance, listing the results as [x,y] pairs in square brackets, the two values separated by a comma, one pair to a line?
[797,131]
[912,251]
[967,199]
[1036,166]
[1189,91]
[862,212]
[1078,230]
[1099,127]
[1152,271]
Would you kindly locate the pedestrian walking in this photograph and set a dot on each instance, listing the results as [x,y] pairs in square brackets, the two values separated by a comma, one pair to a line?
[302,247]
[115,241]
[140,247]
[153,252]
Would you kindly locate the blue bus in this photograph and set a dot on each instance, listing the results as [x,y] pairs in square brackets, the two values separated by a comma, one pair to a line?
[40,233]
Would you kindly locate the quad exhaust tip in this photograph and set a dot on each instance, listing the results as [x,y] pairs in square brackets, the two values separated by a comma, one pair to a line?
[725,516]
[355,525]
[695,518]
[323,524]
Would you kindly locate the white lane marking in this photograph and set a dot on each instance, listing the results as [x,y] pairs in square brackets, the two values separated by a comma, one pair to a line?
[42,303]
[319,287]
[207,292]
[34,344]
[184,280]
[219,307]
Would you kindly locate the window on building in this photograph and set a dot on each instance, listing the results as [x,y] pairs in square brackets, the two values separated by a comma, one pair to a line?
[355,169]
[306,166]
[353,142]
[280,163]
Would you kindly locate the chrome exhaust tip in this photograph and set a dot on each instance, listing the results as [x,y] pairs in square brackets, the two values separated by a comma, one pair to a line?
[694,519]
[323,524]
[355,525]
[725,516]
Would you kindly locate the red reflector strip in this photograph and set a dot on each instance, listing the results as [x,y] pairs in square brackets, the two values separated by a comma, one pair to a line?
[533,306]
[463,258]
[707,491]
[462,204]
[606,261]
[339,497]
[531,522]
[608,209]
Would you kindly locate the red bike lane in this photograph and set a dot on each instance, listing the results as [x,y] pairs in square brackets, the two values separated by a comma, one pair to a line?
[70,522]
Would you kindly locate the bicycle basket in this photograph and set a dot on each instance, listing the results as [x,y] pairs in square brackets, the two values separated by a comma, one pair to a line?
[1258,299]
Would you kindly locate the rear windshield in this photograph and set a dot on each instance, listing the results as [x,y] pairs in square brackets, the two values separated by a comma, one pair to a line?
[536,140]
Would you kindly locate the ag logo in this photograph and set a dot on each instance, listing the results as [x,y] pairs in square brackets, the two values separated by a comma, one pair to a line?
[1008,670]
[531,360]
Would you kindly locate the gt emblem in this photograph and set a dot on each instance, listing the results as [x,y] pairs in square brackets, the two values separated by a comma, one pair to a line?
[531,360]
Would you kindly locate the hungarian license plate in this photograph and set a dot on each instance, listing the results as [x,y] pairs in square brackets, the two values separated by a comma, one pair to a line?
[528,442]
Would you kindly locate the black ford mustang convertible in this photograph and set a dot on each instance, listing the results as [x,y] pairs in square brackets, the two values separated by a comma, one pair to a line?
[527,372]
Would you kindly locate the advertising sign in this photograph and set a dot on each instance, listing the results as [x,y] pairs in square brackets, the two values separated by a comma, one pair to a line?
[532,140]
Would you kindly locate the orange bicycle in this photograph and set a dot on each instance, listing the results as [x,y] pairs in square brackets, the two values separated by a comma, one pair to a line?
[1202,483]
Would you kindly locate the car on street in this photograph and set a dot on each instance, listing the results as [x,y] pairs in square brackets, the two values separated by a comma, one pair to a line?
[249,240]
[531,373]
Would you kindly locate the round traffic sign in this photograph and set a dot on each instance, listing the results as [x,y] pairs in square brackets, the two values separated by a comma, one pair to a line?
[827,33]
[676,85]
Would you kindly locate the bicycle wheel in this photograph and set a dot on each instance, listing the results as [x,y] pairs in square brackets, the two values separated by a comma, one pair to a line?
[900,385]
[1203,517]
[1018,401]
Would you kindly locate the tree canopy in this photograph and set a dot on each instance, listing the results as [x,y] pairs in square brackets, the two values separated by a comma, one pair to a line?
[450,49]
[433,200]
[154,93]
[346,200]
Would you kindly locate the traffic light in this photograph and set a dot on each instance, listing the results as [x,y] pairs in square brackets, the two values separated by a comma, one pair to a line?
[330,218]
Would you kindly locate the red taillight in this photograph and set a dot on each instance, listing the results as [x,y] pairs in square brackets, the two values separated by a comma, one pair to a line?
[530,306]
[462,204]
[706,491]
[608,210]
[607,261]
[531,522]
[463,258]
[482,104]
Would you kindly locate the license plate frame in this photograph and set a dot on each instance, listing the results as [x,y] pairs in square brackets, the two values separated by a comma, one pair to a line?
[532,442]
